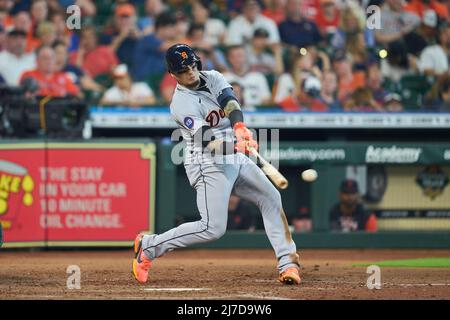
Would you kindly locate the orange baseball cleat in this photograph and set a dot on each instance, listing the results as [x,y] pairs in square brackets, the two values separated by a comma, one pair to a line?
[290,276]
[141,263]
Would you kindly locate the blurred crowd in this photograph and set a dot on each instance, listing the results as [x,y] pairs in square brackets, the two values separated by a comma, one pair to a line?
[295,55]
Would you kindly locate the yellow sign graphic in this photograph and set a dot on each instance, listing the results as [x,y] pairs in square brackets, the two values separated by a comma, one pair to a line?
[14,179]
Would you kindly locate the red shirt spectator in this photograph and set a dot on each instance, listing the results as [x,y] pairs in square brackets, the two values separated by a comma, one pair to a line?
[329,16]
[92,58]
[51,82]
[418,7]
[99,61]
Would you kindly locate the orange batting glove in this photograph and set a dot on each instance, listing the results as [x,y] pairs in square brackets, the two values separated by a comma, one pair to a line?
[244,138]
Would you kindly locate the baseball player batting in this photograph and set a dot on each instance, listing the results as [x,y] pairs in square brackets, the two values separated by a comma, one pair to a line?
[211,121]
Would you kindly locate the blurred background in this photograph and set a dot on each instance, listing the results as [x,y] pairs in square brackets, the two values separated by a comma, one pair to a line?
[357,90]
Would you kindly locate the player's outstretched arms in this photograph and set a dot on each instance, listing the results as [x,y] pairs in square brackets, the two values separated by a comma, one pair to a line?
[232,109]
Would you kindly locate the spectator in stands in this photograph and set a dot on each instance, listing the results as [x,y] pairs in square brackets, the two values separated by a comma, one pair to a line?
[349,213]
[88,8]
[75,73]
[2,38]
[393,102]
[355,45]
[424,35]
[211,58]
[62,32]
[46,33]
[242,215]
[39,12]
[374,83]
[301,66]
[238,90]
[22,21]
[93,59]
[328,94]
[362,100]
[353,20]
[256,88]
[123,35]
[438,99]
[241,28]
[125,92]
[296,30]
[6,8]
[263,56]
[328,17]
[4,17]
[50,81]
[419,7]
[433,60]
[13,60]
[215,29]
[152,9]
[397,63]
[149,53]
[395,23]
[305,98]
[349,81]
[275,10]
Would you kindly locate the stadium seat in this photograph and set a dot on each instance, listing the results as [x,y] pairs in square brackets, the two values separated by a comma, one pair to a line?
[413,90]
[105,80]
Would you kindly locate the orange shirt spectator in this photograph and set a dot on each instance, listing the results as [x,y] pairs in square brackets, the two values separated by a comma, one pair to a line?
[349,80]
[50,82]
[293,104]
[418,7]
[348,85]
[57,84]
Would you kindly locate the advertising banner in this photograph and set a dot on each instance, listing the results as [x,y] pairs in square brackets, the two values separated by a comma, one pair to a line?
[65,194]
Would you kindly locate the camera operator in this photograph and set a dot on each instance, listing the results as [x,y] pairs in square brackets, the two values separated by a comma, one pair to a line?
[51,82]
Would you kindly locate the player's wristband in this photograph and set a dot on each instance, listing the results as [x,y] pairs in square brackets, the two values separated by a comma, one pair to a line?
[238,125]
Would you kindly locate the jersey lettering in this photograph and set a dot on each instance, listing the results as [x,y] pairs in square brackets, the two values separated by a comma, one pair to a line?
[214,117]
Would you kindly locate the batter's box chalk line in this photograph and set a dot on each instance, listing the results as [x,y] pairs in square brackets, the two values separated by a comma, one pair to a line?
[176,289]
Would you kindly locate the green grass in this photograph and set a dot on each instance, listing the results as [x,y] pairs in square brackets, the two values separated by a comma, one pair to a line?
[411,263]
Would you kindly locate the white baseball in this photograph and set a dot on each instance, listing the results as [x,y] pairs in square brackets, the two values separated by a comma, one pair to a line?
[309,175]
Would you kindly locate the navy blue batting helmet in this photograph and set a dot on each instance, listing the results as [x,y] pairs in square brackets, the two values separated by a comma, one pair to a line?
[180,56]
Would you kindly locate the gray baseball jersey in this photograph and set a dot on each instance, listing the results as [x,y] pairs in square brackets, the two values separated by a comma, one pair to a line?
[214,180]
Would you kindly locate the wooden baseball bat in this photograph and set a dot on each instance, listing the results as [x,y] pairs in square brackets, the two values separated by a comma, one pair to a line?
[277,178]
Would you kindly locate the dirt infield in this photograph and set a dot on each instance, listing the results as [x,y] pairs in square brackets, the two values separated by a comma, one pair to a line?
[218,274]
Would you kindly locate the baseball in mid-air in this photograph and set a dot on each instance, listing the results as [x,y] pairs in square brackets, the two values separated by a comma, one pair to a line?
[309,175]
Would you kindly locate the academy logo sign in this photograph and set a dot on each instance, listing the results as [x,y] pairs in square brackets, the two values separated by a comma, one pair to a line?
[432,180]
[311,155]
[392,154]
